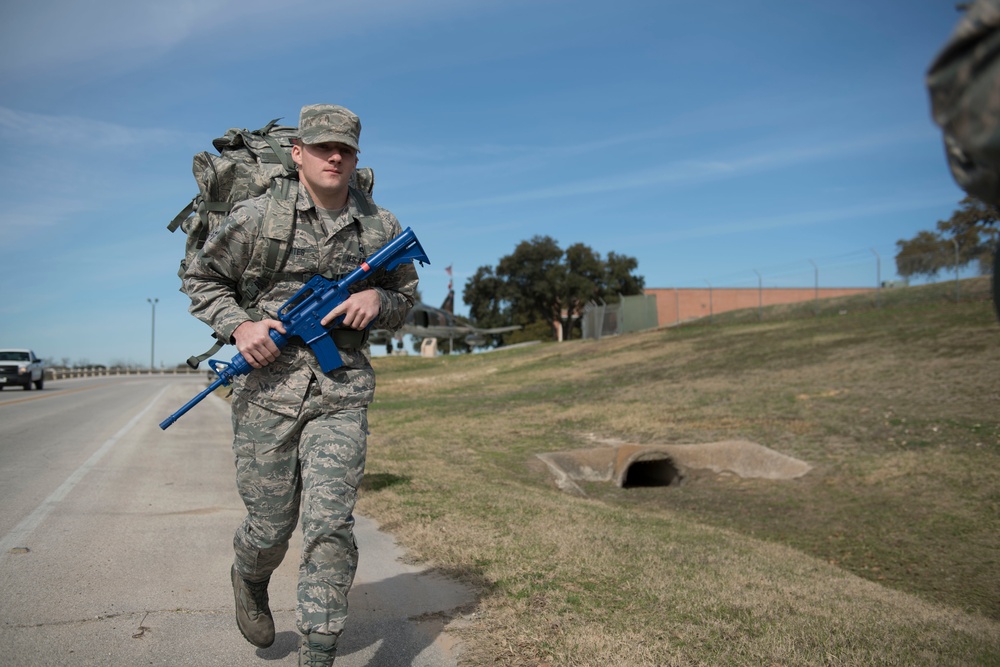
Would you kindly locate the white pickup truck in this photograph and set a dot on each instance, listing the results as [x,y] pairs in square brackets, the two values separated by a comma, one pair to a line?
[21,366]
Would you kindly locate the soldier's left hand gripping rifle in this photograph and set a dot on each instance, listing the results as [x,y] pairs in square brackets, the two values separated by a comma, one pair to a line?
[302,314]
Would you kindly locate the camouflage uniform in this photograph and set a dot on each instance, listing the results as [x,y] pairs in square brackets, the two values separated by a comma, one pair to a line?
[300,434]
[964,85]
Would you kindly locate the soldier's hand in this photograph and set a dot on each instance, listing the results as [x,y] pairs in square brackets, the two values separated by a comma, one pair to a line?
[358,310]
[253,340]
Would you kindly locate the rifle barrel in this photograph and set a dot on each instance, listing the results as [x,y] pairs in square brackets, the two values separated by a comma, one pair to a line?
[190,404]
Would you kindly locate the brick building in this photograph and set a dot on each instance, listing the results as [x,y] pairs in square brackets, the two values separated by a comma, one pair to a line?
[675,305]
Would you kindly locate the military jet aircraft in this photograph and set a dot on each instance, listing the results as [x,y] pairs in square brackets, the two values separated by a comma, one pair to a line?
[425,321]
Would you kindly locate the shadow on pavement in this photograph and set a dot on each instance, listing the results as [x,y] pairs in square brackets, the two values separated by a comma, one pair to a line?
[394,622]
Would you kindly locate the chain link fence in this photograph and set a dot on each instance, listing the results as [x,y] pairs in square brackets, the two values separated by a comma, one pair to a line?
[631,313]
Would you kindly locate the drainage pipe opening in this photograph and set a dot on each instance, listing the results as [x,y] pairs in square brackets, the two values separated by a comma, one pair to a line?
[654,472]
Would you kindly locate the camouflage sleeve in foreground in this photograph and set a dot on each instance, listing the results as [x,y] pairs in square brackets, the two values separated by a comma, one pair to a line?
[397,290]
[212,278]
[964,85]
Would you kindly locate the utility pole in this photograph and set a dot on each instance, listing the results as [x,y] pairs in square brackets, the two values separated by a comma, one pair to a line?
[711,311]
[816,290]
[760,296]
[878,279]
[152,335]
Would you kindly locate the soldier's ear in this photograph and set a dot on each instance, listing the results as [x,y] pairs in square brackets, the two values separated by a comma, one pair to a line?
[297,153]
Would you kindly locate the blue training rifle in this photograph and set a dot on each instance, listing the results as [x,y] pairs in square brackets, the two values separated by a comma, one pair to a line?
[302,314]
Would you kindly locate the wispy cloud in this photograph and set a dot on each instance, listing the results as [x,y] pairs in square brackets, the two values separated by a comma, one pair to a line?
[75,166]
[68,130]
[709,229]
[696,170]
[45,35]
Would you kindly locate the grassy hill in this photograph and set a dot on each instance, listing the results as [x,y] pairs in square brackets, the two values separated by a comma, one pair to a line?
[885,553]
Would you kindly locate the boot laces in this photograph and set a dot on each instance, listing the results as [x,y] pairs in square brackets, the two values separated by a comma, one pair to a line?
[317,659]
[317,654]
[258,593]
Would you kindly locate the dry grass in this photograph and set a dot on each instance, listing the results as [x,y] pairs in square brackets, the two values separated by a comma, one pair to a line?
[884,554]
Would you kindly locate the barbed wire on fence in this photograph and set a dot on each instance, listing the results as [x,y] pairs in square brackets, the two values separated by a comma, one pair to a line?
[860,268]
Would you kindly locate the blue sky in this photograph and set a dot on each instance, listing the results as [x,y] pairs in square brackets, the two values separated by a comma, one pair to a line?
[710,141]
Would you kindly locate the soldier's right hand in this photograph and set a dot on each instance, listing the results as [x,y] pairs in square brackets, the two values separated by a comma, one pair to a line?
[253,340]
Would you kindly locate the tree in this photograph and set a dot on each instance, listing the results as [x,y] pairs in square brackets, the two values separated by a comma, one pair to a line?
[620,279]
[539,284]
[531,276]
[973,228]
[485,294]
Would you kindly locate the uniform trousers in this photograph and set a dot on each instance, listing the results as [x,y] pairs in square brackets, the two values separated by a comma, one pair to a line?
[314,463]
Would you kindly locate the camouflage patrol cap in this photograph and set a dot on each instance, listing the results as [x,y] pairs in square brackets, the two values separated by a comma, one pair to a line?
[319,123]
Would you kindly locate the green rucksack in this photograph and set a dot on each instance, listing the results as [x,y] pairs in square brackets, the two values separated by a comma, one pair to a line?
[248,164]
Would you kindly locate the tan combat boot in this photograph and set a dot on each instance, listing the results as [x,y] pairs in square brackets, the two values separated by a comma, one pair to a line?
[317,650]
[253,615]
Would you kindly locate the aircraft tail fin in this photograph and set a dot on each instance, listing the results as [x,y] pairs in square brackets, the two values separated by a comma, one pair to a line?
[449,302]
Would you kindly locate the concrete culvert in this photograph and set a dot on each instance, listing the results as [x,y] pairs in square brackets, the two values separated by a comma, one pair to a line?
[631,466]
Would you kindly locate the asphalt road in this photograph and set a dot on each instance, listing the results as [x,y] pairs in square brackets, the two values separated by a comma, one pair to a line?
[116,542]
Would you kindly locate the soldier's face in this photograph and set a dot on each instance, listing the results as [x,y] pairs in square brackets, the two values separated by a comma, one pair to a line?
[326,170]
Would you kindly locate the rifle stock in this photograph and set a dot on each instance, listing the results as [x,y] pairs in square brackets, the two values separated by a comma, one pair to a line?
[301,315]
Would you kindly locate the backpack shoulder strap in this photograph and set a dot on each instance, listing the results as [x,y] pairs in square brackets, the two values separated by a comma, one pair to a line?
[370,218]
[277,232]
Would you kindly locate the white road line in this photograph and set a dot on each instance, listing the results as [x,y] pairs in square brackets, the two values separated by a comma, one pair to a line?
[17,537]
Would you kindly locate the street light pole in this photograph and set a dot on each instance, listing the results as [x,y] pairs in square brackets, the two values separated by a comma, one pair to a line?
[816,288]
[152,335]
[878,279]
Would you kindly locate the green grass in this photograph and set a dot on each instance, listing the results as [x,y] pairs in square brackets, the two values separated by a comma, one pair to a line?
[885,553]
